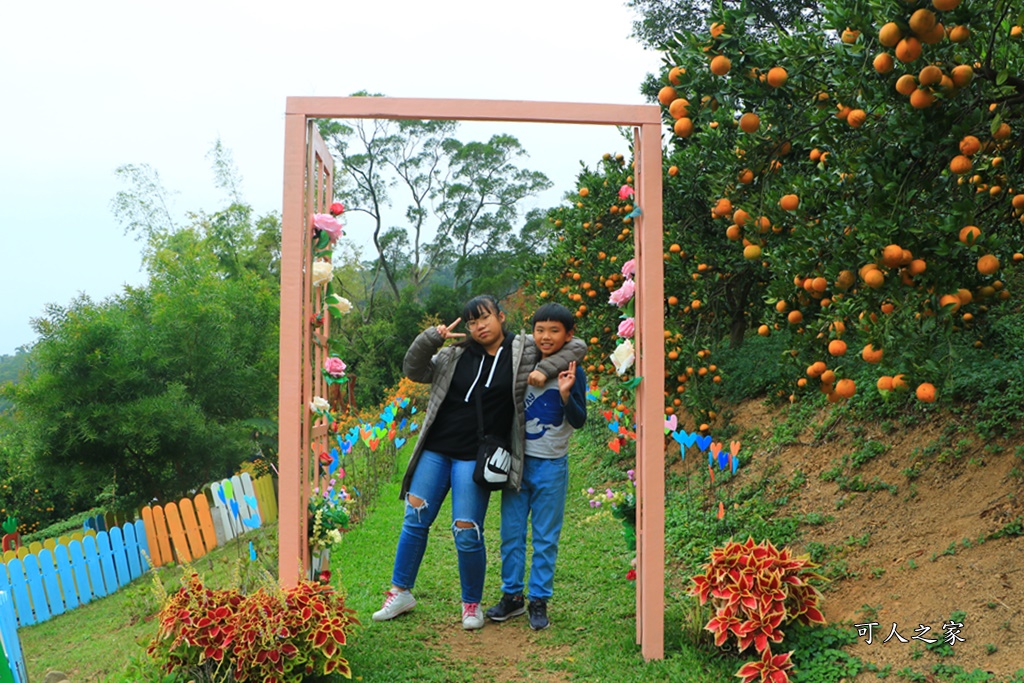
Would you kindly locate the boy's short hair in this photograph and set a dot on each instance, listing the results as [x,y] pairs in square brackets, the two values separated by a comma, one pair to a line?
[557,313]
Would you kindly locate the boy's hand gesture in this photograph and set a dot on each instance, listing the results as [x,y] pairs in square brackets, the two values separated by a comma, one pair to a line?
[566,379]
[537,378]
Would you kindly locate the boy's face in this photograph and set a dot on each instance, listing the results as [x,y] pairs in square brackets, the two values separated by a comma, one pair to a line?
[550,336]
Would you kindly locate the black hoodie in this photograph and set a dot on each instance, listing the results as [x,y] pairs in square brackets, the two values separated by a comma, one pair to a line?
[454,431]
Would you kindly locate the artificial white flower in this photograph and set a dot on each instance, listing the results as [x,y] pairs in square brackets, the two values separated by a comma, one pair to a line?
[323,271]
[623,356]
[339,304]
[319,404]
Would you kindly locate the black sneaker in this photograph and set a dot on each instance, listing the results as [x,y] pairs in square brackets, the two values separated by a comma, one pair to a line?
[510,606]
[539,615]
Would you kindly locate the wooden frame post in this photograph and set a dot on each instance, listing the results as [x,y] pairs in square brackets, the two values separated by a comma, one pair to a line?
[294,440]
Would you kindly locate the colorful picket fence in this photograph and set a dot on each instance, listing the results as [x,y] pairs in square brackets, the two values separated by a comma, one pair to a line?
[12,663]
[49,578]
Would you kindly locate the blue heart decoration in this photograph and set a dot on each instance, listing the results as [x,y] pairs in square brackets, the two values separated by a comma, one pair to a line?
[735,463]
[388,414]
[403,403]
[220,494]
[680,437]
[399,442]
[234,508]
[682,452]
[614,426]
[251,502]
[704,442]
[252,552]
[412,411]
[347,448]
[401,425]
[723,460]
[413,427]
[711,459]
[352,434]
[252,522]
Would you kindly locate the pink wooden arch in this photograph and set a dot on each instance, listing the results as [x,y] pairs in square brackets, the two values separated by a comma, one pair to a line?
[306,166]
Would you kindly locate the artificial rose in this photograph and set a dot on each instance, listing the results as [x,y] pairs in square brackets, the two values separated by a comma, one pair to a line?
[625,192]
[629,268]
[337,208]
[319,404]
[334,366]
[623,357]
[626,328]
[621,296]
[339,304]
[327,223]
[323,271]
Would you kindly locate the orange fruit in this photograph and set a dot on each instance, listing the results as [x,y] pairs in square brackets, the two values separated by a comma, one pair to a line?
[846,388]
[988,264]
[884,63]
[926,392]
[890,34]
[740,217]
[717,29]
[874,278]
[921,99]
[683,127]
[934,36]
[850,35]
[789,202]
[929,75]
[856,118]
[723,207]
[733,233]
[777,77]
[959,34]
[871,354]
[673,170]
[675,75]
[950,300]
[908,49]
[892,255]
[764,330]
[584,192]
[1002,132]
[781,305]
[815,369]
[752,252]
[750,122]
[846,279]
[1018,202]
[960,164]
[945,5]
[884,383]
[899,382]
[962,75]
[922,21]
[667,94]
[720,65]
[678,108]
[795,317]
[837,347]
[906,84]
[965,297]
[969,145]
[969,234]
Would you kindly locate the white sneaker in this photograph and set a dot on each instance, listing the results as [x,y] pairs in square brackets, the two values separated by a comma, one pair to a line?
[395,603]
[472,617]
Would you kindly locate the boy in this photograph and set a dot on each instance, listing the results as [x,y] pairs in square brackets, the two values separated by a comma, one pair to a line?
[553,411]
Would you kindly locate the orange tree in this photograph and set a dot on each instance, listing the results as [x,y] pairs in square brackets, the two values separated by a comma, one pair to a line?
[853,186]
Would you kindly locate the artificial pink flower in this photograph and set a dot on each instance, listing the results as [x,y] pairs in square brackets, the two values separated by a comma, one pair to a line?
[334,366]
[337,208]
[325,576]
[327,223]
[621,296]
[629,268]
[625,192]
[627,328]
[326,458]
[631,575]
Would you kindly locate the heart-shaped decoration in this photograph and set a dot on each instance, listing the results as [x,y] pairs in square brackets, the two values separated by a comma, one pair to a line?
[373,444]
[721,510]
[670,423]
[608,415]
[614,426]
[399,442]
[704,442]
[401,425]
[735,463]
[734,447]
[391,435]
[723,460]
[413,427]
[614,445]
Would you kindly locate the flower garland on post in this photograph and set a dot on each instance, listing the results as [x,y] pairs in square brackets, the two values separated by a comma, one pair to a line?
[328,515]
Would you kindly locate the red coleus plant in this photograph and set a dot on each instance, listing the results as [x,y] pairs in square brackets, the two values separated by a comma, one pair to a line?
[266,637]
[757,589]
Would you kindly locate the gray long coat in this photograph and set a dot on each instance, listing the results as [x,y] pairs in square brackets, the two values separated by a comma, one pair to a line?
[425,363]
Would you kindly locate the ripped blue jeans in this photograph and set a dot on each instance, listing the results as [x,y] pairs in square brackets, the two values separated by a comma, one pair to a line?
[435,475]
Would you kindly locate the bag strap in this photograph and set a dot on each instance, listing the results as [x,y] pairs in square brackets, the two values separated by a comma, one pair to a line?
[479,414]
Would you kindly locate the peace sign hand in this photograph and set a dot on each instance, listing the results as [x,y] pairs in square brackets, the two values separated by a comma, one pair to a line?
[446,330]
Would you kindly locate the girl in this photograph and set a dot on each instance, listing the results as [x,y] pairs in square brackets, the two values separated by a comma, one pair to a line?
[496,366]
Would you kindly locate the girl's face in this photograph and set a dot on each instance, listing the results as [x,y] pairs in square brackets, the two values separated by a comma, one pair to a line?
[486,328]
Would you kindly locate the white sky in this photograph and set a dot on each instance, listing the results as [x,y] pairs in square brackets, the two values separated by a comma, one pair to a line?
[87,87]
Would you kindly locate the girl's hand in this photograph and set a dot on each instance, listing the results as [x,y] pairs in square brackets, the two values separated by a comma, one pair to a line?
[446,330]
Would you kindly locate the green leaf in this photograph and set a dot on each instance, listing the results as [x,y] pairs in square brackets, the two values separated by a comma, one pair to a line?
[633,383]
[1002,76]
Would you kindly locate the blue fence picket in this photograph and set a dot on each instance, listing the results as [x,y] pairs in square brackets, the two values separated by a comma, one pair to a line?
[67,582]
[35,587]
[106,562]
[9,637]
[92,561]
[19,589]
[116,537]
[131,550]
[51,584]
[80,571]
[143,540]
